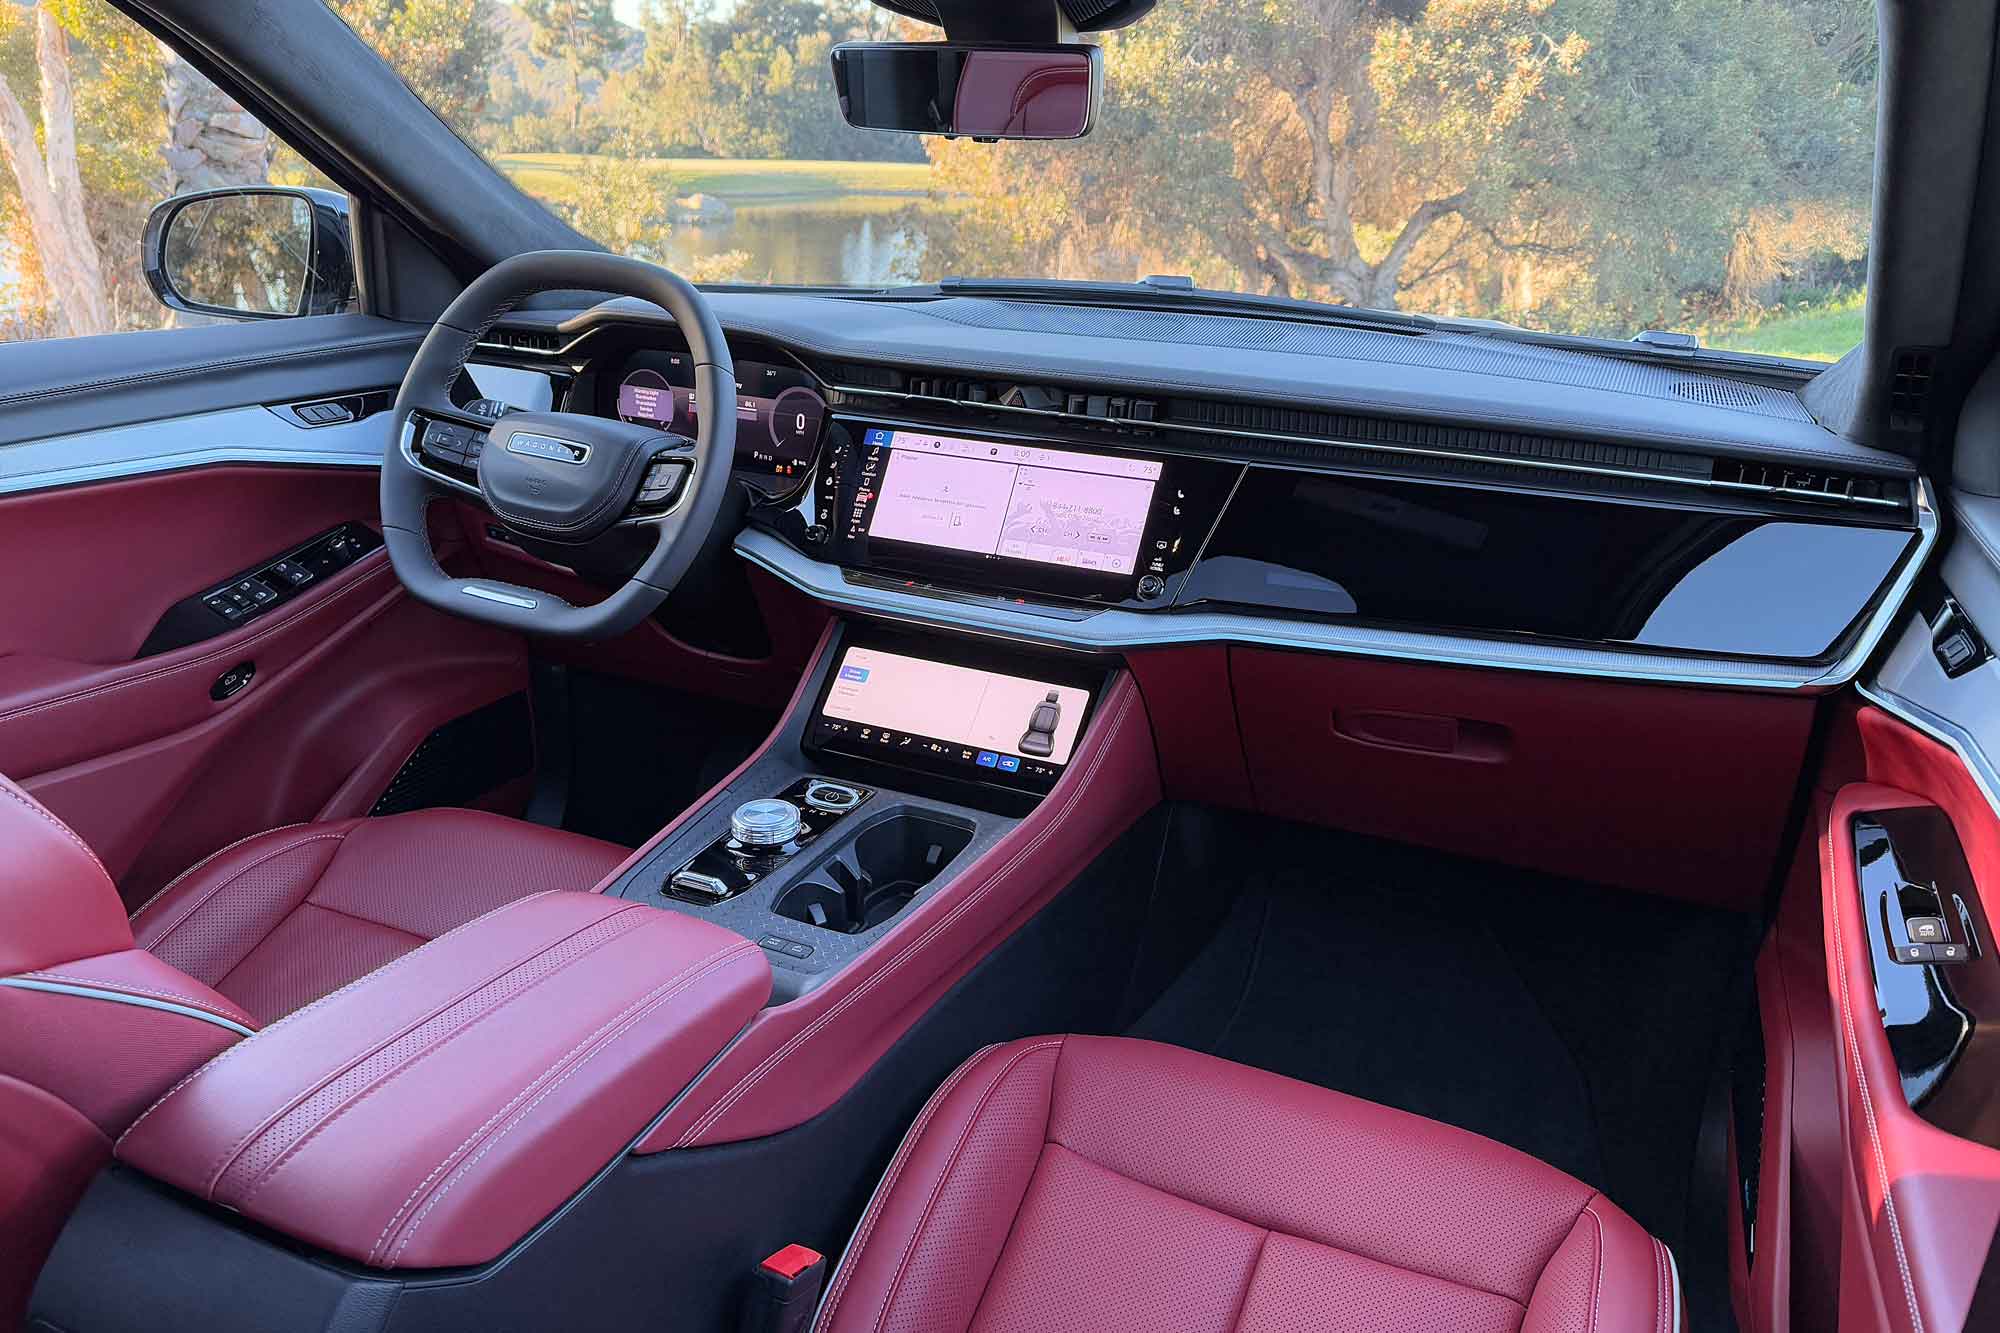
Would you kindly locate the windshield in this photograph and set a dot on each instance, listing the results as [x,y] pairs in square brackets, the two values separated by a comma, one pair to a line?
[1576,166]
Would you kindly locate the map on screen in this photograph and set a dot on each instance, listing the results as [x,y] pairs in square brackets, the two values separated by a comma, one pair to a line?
[1022,502]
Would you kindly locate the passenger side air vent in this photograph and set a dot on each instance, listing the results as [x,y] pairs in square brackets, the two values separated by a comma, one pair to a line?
[1801,483]
[1910,388]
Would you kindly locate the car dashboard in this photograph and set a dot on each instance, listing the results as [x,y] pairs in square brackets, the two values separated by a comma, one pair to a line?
[1108,512]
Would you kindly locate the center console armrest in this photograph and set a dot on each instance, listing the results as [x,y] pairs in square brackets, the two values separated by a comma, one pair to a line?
[432,1113]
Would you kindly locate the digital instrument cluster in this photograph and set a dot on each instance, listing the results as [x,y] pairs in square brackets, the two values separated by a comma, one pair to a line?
[779,413]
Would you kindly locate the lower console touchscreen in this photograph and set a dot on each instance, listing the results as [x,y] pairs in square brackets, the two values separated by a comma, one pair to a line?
[978,720]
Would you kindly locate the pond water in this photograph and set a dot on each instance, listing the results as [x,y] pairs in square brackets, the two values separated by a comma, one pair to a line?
[858,242]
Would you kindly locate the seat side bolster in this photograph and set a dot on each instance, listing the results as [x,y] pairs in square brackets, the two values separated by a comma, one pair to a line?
[930,1238]
[1608,1276]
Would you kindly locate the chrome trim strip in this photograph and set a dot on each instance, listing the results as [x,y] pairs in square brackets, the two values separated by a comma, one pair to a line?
[237,435]
[137,1001]
[1115,629]
[495,595]
[1889,605]
[1407,450]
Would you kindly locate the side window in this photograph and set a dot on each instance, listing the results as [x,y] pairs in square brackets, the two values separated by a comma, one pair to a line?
[135,194]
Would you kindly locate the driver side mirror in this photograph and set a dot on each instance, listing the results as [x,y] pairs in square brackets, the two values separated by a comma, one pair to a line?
[983,92]
[251,252]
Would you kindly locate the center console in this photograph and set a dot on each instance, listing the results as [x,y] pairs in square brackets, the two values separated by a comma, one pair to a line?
[914,755]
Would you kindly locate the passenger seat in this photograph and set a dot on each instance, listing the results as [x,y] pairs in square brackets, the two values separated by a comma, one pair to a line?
[1104,1184]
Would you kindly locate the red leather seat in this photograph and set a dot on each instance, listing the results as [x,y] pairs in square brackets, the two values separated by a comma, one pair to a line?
[278,920]
[1104,1184]
[99,1017]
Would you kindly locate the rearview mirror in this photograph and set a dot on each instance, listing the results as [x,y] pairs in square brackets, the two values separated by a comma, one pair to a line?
[254,252]
[984,92]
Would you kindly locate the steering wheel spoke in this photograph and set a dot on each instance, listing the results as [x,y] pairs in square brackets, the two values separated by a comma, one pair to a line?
[557,477]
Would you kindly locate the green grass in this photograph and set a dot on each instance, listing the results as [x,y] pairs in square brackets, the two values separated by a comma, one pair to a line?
[741,182]
[1814,333]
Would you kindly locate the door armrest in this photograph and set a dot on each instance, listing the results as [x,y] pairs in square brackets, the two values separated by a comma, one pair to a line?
[432,1113]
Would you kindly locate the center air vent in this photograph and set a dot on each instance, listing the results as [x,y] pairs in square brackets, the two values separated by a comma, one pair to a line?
[523,340]
[1715,393]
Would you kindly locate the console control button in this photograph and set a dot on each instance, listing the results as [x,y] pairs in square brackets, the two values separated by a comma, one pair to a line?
[766,823]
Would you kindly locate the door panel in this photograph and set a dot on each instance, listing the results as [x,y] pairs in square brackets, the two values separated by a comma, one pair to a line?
[1920,1204]
[134,752]
[1921,1186]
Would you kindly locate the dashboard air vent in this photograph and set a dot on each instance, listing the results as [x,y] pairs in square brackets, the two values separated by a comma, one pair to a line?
[524,340]
[1800,482]
[1910,387]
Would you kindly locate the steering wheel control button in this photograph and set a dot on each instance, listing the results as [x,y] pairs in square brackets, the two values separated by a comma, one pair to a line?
[662,483]
[766,822]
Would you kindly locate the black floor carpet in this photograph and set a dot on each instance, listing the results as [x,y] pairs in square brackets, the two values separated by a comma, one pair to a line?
[1580,1024]
[642,754]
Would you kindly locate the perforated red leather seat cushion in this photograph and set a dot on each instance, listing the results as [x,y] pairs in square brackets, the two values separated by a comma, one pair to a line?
[1082,1183]
[276,921]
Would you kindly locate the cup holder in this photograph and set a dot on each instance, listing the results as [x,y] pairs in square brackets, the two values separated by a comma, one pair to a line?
[874,877]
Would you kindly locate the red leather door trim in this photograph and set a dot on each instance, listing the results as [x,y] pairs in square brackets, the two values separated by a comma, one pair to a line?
[58,713]
[1920,1205]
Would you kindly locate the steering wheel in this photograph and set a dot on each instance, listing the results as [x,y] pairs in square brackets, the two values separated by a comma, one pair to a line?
[558,476]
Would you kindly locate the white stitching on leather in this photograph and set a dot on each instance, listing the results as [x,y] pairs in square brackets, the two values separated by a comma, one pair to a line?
[445,1161]
[298,1145]
[700,971]
[1596,1282]
[222,884]
[943,1176]
[1833,863]
[328,998]
[35,807]
[326,1074]
[161,893]
[850,1259]
[779,1056]
[235,649]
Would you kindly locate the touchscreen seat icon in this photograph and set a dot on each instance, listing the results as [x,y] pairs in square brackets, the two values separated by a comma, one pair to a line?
[1040,737]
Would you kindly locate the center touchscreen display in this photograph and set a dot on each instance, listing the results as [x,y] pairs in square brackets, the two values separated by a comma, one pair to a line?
[982,724]
[1014,501]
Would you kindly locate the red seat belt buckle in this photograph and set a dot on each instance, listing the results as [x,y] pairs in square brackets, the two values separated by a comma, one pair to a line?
[784,1291]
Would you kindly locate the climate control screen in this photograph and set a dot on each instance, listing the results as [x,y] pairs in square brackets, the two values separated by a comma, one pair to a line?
[983,724]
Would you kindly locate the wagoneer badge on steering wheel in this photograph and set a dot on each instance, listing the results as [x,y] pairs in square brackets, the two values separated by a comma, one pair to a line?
[549,447]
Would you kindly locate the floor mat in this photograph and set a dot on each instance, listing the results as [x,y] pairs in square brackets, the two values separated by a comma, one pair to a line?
[643,753]
[1577,1023]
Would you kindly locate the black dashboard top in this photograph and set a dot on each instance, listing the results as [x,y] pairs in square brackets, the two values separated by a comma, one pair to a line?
[1106,479]
[1439,376]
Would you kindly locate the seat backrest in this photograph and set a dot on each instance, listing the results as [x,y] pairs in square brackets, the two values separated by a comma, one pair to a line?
[92,1030]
